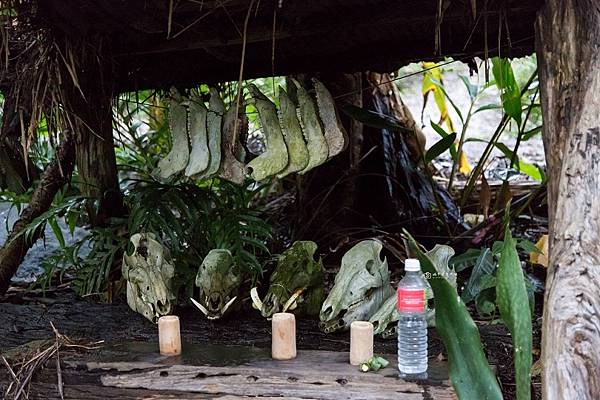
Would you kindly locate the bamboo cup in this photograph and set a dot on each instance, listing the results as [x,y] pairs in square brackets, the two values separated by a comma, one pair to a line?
[361,342]
[169,337]
[283,341]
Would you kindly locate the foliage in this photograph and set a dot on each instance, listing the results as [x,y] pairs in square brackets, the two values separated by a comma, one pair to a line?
[470,372]
[514,308]
[480,286]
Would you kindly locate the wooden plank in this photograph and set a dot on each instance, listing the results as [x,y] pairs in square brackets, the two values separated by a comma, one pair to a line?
[313,374]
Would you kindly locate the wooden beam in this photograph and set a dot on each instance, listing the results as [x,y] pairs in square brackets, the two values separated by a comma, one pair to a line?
[568,34]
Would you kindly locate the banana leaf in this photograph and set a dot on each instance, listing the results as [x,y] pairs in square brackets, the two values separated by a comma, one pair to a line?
[470,372]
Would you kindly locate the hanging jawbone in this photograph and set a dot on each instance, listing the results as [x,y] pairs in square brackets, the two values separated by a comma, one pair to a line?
[360,288]
[177,159]
[275,157]
[200,155]
[214,119]
[335,134]
[149,273]
[292,133]
[312,129]
[231,169]
[219,281]
[296,284]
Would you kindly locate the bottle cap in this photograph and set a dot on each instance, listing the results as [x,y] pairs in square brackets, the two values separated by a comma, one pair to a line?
[412,265]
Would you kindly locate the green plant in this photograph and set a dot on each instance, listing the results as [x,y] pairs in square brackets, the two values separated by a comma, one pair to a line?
[469,370]
[480,286]
[512,297]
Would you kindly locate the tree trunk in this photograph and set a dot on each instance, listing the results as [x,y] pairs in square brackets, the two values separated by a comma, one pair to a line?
[94,145]
[568,34]
[16,172]
[54,177]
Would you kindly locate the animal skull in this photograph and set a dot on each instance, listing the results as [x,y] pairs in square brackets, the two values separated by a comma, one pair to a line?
[360,288]
[149,272]
[219,281]
[296,284]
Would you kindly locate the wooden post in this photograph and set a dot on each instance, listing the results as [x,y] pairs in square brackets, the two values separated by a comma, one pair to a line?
[567,40]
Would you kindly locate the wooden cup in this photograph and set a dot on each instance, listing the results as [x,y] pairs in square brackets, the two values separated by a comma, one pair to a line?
[283,341]
[361,342]
[169,337]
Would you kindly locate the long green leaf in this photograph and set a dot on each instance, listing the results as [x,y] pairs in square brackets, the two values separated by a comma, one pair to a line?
[470,372]
[439,147]
[513,302]
[443,133]
[372,118]
[509,88]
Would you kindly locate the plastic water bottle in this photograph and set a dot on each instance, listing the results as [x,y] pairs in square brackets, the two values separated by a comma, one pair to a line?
[412,325]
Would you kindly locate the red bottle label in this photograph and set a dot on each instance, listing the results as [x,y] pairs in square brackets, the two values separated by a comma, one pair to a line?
[411,300]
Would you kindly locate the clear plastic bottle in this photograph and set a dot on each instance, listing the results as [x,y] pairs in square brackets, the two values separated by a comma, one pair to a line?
[412,325]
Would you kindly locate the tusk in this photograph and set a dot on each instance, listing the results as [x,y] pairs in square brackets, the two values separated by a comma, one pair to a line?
[256,302]
[229,303]
[200,306]
[291,304]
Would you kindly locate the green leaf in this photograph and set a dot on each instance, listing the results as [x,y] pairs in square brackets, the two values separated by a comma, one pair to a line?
[509,88]
[470,372]
[439,147]
[483,268]
[72,217]
[513,302]
[487,107]
[472,89]
[57,232]
[372,118]
[531,133]
[443,133]
[531,170]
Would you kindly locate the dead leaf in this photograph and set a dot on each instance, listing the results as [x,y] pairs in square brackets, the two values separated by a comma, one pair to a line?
[485,196]
[463,164]
[540,258]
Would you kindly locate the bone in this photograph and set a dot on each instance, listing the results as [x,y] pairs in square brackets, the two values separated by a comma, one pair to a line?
[275,158]
[361,342]
[231,168]
[149,273]
[178,157]
[218,279]
[256,302]
[311,128]
[292,133]
[335,134]
[169,337]
[283,342]
[200,155]
[216,109]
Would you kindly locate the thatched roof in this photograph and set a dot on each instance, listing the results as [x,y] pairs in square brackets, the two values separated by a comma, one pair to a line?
[157,43]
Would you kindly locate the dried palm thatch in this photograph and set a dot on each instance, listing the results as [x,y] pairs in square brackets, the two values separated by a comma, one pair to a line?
[34,357]
[40,70]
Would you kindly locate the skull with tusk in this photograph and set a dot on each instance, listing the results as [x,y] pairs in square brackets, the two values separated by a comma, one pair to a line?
[149,273]
[296,284]
[219,281]
[360,288]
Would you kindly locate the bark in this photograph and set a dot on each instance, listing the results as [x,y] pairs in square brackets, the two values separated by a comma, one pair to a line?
[16,172]
[327,195]
[94,145]
[567,36]
[54,177]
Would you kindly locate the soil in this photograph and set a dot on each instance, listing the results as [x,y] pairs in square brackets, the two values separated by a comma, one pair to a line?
[26,316]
